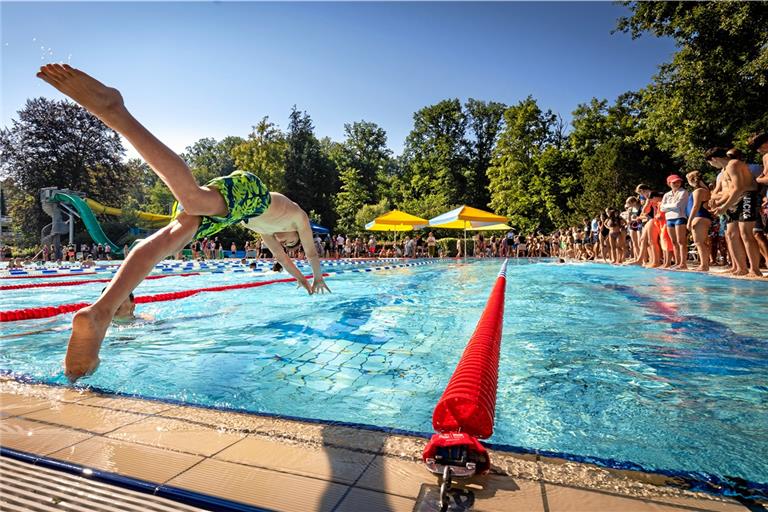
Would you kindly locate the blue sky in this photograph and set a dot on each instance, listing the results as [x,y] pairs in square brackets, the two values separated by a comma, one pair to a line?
[193,70]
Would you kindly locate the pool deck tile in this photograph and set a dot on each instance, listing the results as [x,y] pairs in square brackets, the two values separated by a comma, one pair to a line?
[130,459]
[127,404]
[332,464]
[395,476]
[176,435]
[261,488]
[359,500]
[15,405]
[217,419]
[92,419]
[38,438]
[353,438]
[570,499]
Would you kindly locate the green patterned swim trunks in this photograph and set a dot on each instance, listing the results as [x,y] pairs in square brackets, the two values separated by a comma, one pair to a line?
[245,195]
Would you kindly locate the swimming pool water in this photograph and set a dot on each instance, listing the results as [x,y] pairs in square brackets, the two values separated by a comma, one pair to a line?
[666,370]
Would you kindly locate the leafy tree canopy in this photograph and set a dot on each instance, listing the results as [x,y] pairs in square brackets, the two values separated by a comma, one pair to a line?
[264,154]
[714,90]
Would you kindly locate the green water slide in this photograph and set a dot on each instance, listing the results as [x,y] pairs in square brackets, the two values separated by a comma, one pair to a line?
[89,219]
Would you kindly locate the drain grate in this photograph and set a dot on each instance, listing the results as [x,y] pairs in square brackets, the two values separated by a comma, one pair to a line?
[28,488]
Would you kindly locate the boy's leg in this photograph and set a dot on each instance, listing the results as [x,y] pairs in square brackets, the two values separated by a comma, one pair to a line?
[107,104]
[750,247]
[736,247]
[89,325]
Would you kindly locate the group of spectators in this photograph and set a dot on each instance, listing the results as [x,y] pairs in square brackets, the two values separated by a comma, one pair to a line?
[341,246]
[207,248]
[726,220]
[70,253]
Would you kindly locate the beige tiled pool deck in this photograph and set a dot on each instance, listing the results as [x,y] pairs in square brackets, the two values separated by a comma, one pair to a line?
[294,466]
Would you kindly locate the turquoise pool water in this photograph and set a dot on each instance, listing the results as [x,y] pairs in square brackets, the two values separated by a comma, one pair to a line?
[666,370]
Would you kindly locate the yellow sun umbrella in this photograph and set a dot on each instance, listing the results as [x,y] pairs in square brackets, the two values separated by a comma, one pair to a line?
[466,217]
[396,221]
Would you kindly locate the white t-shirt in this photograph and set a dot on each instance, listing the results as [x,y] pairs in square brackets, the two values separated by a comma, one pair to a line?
[673,204]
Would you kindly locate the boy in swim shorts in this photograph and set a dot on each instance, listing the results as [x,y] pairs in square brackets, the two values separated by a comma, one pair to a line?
[239,197]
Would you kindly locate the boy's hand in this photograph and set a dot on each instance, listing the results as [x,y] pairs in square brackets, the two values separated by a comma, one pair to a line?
[303,282]
[319,286]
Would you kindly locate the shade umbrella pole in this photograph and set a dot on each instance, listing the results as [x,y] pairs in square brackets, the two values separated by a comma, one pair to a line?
[465,241]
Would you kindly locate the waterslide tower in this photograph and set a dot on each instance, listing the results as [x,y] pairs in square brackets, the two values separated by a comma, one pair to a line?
[62,217]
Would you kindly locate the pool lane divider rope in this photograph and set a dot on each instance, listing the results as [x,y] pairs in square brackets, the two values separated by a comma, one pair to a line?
[215,268]
[84,281]
[466,410]
[47,312]
[50,311]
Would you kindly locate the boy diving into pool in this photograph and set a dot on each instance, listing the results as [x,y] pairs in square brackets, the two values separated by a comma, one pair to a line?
[227,200]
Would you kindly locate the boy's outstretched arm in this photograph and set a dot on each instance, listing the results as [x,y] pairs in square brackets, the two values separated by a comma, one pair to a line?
[276,248]
[308,242]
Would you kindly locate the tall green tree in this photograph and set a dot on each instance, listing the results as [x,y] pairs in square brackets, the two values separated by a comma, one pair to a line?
[208,158]
[350,199]
[365,149]
[363,160]
[310,176]
[264,154]
[59,144]
[612,160]
[519,188]
[483,123]
[714,90]
[434,160]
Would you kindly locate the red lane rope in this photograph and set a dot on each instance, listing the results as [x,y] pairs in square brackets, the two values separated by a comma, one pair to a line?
[466,411]
[47,312]
[468,403]
[84,281]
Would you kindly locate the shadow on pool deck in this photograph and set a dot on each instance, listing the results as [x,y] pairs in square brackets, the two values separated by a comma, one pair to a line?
[331,437]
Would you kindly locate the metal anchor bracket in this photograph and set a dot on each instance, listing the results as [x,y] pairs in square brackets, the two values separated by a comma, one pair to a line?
[444,498]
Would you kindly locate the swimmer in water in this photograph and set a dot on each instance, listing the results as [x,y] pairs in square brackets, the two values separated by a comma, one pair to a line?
[201,213]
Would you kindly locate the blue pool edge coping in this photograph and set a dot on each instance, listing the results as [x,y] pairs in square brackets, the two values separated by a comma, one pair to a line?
[193,498]
[730,487]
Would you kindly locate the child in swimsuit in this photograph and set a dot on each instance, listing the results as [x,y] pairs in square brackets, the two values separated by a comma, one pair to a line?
[699,218]
[228,200]
[615,224]
[673,205]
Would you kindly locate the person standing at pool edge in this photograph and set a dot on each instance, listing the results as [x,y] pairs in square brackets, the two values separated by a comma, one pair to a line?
[225,201]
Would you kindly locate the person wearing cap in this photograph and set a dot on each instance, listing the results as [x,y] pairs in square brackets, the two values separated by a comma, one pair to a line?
[673,205]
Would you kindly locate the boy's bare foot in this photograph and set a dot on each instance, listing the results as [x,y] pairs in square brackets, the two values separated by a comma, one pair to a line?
[104,102]
[755,273]
[738,273]
[88,329]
